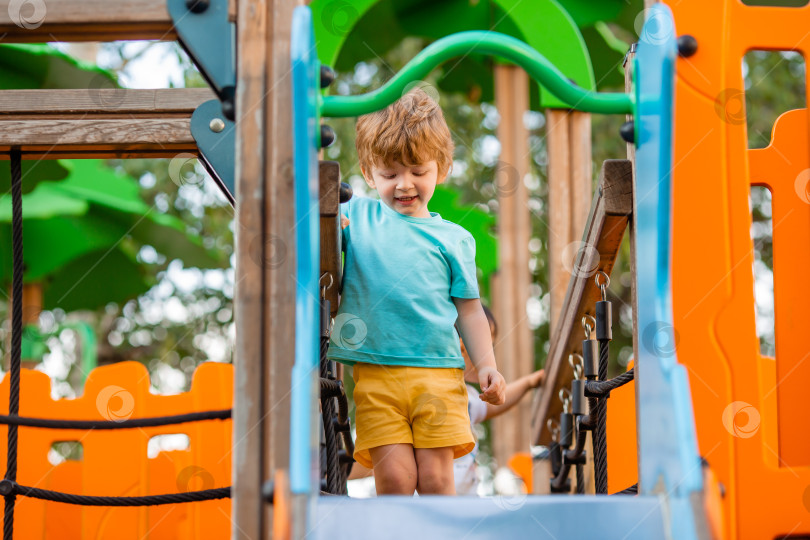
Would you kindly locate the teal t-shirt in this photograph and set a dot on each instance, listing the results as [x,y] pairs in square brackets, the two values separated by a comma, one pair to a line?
[399,278]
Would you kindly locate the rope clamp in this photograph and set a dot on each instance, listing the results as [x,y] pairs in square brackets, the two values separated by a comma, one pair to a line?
[6,487]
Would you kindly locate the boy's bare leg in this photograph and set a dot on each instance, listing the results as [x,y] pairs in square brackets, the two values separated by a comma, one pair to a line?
[394,469]
[435,471]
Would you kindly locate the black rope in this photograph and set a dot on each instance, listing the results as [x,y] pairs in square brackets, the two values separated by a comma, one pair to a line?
[329,387]
[16,334]
[580,478]
[333,480]
[576,455]
[600,429]
[13,421]
[603,388]
[87,500]
[632,490]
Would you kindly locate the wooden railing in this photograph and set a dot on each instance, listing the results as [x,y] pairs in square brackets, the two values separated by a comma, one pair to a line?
[331,262]
[610,215]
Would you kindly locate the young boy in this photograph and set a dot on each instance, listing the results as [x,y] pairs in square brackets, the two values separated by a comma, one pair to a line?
[409,277]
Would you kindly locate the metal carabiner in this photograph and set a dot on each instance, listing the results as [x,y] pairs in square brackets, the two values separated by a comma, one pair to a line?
[553,430]
[566,400]
[602,285]
[578,367]
[324,288]
[587,326]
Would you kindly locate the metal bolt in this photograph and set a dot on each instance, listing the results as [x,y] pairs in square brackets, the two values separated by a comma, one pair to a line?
[217,125]
[197,6]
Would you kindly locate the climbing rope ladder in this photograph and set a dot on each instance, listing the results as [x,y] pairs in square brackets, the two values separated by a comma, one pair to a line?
[9,488]
[590,416]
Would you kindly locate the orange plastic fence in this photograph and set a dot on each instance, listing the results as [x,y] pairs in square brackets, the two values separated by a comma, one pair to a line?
[115,462]
[750,412]
[621,437]
[522,465]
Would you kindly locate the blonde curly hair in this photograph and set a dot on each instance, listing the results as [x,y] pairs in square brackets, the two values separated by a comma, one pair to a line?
[411,131]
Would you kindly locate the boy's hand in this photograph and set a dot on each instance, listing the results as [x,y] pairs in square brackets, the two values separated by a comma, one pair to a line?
[493,386]
[344,222]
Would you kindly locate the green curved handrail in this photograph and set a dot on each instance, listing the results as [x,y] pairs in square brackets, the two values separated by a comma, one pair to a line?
[463,43]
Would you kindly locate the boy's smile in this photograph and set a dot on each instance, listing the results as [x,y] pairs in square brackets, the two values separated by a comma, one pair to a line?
[406,189]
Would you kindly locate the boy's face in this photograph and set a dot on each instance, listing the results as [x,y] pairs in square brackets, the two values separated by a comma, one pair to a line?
[406,189]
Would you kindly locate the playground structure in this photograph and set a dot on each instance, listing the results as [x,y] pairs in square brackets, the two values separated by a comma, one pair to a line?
[679,140]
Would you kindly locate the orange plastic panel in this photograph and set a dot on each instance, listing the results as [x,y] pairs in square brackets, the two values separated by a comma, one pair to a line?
[622,445]
[748,409]
[116,463]
[521,464]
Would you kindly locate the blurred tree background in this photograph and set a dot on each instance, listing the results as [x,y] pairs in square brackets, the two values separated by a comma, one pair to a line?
[187,317]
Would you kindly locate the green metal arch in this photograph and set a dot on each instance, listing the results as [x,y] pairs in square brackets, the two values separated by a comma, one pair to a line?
[543,24]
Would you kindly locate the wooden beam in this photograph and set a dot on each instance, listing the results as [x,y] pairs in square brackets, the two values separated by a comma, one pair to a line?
[279,230]
[570,177]
[611,210]
[39,21]
[331,237]
[514,345]
[99,123]
[560,231]
[252,371]
[110,101]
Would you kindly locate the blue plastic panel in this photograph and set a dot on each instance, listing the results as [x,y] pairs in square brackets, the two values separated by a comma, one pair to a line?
[304,428]
[209,38]
[550,517]
[217,150]
[668,460]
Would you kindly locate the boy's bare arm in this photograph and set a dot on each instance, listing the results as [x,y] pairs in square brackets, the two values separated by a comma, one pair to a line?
[515,390]
[474,328]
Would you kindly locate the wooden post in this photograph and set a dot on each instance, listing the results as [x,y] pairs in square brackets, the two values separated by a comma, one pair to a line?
[265,260]
[514,347]
[570,172]
[570,176]
[331,262]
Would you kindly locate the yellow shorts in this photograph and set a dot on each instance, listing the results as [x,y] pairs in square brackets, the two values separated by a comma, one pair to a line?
[424,407]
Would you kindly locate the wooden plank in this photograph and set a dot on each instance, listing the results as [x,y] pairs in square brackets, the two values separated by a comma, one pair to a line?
[610,212]
[330,229]
[250,302]
[99,123]
[329,187]
[279,228]
[514,346]
[40,21]
[559,209]
[99,138]
[579,129]
[103,101]
[570,173]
